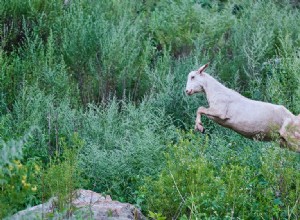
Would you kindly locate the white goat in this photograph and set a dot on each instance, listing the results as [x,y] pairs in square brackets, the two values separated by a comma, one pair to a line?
[252,119]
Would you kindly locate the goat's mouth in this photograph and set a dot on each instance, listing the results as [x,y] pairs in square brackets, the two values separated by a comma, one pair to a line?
[189,92]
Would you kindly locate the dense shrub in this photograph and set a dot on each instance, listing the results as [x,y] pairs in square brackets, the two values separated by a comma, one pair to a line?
[193,186]
[255,39]
[19,179]
[123,145]
[37,67]
[106,49]
[19,18]
[19,186]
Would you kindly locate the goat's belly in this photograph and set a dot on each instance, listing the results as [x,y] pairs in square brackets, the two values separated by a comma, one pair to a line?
[257,131]
[261,136]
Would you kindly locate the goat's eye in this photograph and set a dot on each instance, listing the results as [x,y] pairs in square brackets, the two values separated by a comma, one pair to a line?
[193,77]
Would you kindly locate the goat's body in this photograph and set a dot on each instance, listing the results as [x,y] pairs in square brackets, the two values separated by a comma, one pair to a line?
[253,119]
[250,118]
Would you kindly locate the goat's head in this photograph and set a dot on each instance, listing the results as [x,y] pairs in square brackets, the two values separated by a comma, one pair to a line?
[196,80]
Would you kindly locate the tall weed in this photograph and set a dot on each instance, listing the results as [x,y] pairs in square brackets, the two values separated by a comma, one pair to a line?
[63,175]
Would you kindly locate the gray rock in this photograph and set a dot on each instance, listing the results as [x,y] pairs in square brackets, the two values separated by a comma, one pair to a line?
[85,205]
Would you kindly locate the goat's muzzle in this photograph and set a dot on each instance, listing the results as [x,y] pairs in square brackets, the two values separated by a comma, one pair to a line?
[189,92]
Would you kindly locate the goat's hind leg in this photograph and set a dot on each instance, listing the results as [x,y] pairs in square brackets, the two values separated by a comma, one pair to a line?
[290,137]
[283,133]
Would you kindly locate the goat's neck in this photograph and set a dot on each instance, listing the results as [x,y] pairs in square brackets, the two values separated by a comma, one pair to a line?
[213,89]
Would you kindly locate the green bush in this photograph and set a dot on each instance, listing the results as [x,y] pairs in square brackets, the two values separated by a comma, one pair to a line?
[123,145]
[256,38]
[63,175]
[53,120]
[178,24]
[193,185]
[20,18]
[19,179]
[39,68]
[19,186]
[106,49]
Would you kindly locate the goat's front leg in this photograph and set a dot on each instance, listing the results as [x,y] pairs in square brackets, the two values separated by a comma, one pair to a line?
[198,122]
[211,113]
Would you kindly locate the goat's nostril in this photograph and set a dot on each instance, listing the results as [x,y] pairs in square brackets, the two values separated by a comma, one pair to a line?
[189,92]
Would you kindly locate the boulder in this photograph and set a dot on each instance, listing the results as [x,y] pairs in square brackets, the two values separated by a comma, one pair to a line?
[85,205]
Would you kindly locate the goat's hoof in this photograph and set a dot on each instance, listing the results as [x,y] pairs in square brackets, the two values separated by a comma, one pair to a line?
[199,127]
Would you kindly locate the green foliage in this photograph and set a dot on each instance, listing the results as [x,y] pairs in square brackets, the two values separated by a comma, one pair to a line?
[106,53]
[33,108]
[256,38]
[63,175]
[113,72]
[193,185]
[37,67]
[19,18]
[156,216]
[123,145]
[19,180]
[284,83]
[19,186]
[178,24]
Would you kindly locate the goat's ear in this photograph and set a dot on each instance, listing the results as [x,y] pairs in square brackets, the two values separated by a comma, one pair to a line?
[202,68]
